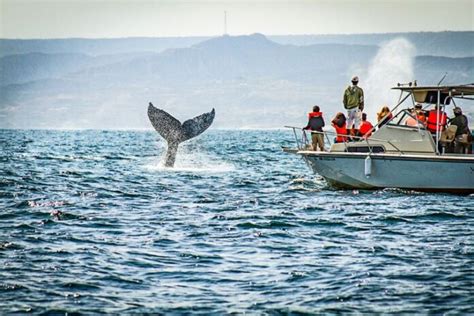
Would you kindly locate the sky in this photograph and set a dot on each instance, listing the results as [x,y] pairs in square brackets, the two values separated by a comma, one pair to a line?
[166,18]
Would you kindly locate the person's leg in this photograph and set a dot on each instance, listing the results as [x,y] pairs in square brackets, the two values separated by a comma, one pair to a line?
[350,118]
[357,118]
[458,146]
[321,142]
[450,147]
[314,141]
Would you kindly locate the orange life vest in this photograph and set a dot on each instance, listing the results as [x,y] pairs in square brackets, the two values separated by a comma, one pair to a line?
[341,131]
[431,122]
[421,117]
[314,114]
[365,128]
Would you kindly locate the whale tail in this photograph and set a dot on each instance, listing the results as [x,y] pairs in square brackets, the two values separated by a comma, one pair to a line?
[174,132]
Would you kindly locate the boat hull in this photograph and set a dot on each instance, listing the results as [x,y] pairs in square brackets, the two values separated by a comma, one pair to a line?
[422,173]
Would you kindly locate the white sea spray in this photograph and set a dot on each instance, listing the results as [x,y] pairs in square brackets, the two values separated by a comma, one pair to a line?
[394,63]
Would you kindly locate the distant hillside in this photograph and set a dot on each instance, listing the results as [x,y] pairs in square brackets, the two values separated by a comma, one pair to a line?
[94,47]
[449,44]
[223,58]
[236,58]
[34,66]
[250,80]
[434,67]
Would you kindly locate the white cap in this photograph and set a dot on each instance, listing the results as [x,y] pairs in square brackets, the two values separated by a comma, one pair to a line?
[355,78]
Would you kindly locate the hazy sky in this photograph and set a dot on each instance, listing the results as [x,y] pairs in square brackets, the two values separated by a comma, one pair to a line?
[109,18]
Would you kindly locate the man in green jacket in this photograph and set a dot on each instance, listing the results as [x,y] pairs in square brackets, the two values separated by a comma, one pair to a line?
[354,104]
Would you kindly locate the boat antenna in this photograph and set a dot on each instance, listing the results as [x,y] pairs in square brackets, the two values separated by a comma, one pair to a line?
[445,74]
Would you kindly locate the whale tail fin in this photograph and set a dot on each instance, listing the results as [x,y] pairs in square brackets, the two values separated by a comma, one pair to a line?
[166,125]
[199,124]
[174,132]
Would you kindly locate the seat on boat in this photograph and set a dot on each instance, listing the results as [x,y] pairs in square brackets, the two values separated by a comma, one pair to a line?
[447,137]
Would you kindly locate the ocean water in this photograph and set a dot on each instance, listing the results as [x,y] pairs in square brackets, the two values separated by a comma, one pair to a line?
[90,222]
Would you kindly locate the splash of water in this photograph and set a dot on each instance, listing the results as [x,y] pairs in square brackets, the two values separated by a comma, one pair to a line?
[392,64]
[193,162]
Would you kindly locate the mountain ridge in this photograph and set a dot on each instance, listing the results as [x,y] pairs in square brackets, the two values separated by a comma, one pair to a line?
[446,43]
[250,80]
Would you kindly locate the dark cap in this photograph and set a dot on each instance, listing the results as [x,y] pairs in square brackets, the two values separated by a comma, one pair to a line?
[457,110]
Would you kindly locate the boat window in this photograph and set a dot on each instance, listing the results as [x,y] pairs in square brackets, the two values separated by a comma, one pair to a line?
[365,149]
[400,118]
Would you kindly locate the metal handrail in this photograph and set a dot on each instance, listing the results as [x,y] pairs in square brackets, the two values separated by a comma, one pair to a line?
[343,135]
[391,111]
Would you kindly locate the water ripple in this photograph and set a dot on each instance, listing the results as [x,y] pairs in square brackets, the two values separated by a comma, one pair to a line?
[91,223]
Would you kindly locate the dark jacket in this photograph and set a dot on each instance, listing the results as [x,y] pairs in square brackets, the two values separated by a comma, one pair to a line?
[315,121]
[461,122]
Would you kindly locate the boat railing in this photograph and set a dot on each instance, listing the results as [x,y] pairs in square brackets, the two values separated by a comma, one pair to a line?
[303,143]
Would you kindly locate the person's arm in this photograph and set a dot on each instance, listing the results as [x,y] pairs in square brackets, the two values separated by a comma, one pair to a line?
[361,100]
[466,125]
[344,100]
[307,126]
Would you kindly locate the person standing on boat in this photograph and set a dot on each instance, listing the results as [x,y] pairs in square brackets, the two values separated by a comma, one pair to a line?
[316,124]
[354,103]
[462,136]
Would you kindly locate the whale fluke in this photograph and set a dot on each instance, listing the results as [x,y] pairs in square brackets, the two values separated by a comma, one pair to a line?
[174,132]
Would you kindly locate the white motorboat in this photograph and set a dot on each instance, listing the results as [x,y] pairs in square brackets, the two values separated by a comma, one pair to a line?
[397,155]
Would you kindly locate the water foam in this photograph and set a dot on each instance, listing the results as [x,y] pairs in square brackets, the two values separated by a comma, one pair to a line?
[193,162]
[393,63]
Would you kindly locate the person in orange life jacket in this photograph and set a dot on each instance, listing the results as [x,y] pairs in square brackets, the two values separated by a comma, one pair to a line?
[339,123]
[384,116]
[365,127]
[316,124]
[418,118]
[436,120]
[420,114]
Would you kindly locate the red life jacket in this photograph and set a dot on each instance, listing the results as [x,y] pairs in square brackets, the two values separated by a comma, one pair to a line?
[431,122]
[365,128]
[314,114]
[341,131]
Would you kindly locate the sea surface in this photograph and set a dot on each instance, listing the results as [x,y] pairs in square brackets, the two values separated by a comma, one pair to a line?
[90,222]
